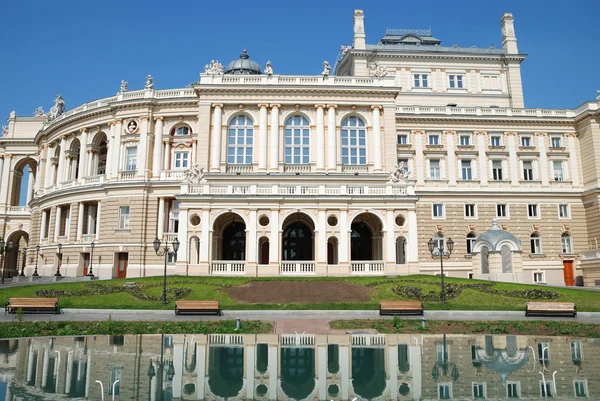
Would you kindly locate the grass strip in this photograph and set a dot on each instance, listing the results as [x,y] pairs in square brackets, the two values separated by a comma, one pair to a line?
[111,327]
[529,327]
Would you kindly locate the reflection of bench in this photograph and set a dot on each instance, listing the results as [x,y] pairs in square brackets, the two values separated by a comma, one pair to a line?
[32,305]
[551,309]
[400,308]
[185,306]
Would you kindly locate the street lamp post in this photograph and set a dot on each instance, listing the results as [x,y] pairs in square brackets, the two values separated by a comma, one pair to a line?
[57,274]
[4,248]
[165,251]
[24,262]
[437,247]
[37,254]
[90,273]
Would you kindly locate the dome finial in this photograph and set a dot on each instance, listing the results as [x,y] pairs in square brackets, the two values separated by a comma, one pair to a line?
[244,55]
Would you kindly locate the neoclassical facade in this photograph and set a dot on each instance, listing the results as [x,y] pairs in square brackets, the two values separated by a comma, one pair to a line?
[344,173]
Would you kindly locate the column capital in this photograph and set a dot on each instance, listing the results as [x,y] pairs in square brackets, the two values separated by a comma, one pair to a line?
[419,132]
[571,135]
[510,133]
[64,137]
[261,105]
[332,106]
[449,132]
[275,105]
[83,130]
[166,140]
[540,134]
[319,106]
[118,120]
[217,105]
[480,132]
[160,118]
[376,106]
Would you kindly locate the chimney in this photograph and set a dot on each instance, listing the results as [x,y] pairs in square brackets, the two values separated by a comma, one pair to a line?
[509,39]
[359,30]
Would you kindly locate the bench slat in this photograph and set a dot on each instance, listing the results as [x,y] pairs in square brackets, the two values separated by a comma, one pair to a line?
[32,304]
[198,306]
[551,309]
[400,307]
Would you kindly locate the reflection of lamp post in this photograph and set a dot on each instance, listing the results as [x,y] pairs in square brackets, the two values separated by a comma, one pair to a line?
[37,255]
[165,369]
[165,251]
[444,364]
[4,248]
[24,261]
[90,273]
[101,388]
[151,373]
[57,274]
[437,247]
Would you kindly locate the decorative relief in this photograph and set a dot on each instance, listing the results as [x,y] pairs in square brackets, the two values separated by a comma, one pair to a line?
[131,127]
[400,174]
[194,176]
[377,70]
[214,68]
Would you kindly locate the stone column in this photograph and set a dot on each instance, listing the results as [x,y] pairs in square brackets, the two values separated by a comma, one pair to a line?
[274,150]
[98,216]
[390,238]
[452,162]
[49,169]
[320,137]
[29,185]
[205,244]
[215,138]
[157,154]
[331,138]
[2,182]
[117,149]
[80,221]
[343,246]
[321,246]
[142,151]
[43,225]
[543,165]
[5,179]
[573,161]
[262,130]
[252,240]
[419,157]
[62,160]
[57,223]
[377,165]
[167,153]
[182,236]
[83,172]
[161,219]
[512,154]
[110,151]
[481,142]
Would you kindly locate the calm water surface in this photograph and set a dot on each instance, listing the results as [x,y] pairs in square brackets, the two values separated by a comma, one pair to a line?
[300,367]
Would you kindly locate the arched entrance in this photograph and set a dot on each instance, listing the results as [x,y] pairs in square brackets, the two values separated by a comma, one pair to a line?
[297,244]
[263,251]
[332,251]
[23,179]
[229,244]
[97,160]
[366,239]
[73,168]
[14,257]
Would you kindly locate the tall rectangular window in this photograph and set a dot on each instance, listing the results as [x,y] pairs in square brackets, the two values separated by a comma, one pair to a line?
[438,210]
[465,140]
[556,142]
[495,141]
[434,169]
[115,380]
[402,139]
[497,173]
[421,80]
[466,172]
[470,210]
[564,212]
[124,218]
[181,160]
[455,81]
[532,211]
[354,141]
[434,140]
[528,170]
[501,210]
[526,141]
[131,158]
[576,354]
[512,390]
[557,170]
[240,140]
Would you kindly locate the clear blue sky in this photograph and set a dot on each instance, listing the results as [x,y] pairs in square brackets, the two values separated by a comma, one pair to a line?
[82,49]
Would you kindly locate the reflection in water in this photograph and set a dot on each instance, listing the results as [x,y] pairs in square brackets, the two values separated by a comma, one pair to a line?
[299,367]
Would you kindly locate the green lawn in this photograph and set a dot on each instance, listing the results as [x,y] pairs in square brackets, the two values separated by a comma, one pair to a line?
[111,295]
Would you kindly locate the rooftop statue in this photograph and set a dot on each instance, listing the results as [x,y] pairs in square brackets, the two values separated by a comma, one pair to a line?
[39,112]
[13,114]
[400,174]
[598,97]
[214,68]
[57,109]
[4,130]
[326,68]
[123,86]
[149,82]
[269,68]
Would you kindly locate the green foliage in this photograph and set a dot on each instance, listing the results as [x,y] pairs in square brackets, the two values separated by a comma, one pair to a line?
[19,315]
[398,323]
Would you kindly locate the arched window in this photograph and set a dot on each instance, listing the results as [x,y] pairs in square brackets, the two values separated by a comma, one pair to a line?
[470,242]
[536,243]
[182,130]
[506,259]
[240,140]
[354,141]
[361,242]
[485,263]
[234,242]
[297,242]
[567,243]
[400,250]
[297,140]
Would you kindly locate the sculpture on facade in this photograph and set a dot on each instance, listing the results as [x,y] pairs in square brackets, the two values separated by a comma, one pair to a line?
[400,173]
[39,112]
[326,68]
[377,70]
[123,86]
[214,68]
[345,50]
[598,97]
[57,109]
[194,176]
[269,68]
[4,130]
[149,82]
[13,114]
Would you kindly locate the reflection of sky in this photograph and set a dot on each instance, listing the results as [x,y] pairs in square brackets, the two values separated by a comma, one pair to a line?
[3,389]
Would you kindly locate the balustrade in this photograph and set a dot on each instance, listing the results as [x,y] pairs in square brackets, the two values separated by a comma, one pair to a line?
[368,267]
[298,267]
[228,267]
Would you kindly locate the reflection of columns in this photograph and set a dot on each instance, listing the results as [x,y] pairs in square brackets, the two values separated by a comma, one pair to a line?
[343,244]
[377,165]
[320,137]
[514,165]
[45,367]
[543,165]
[62,160]
[88,374]
[200,369]
[154,383]
[273,370]
[415,367]
[392,371]
[322,371]
[215,138]
[30,358]
[573,162]
[331,142]
[250,356]
[80,221]
[345,369]
[262,138]
[274,255]
[161,218]
[252,242]
[178,358]
[83,171]
[413,246]
[98,217]
[29,185]
[157,156]
[57,223]
[69,372]
[274,150]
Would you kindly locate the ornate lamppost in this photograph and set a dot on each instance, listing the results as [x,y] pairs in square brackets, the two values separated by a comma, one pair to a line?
[57,274]
[165,251]
[37,254]
[436,247]
[90,272]
[4,248]
[24,253]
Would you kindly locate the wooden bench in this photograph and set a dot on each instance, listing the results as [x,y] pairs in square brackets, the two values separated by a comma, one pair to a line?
[401,308]
[550,309]
[185,306]
[32,305]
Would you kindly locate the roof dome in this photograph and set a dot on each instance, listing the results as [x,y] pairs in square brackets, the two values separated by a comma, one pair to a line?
[243,66]
[496,236]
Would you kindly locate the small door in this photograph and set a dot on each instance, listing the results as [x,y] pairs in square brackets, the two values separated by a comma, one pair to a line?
[568,272]
[122,265]
[264,253]
[330,253]
[86,263]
